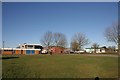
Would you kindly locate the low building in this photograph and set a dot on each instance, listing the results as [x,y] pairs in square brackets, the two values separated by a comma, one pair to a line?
[103,49]
[97,50]
[53,50]
[7,50]
[56,49]
[23,49]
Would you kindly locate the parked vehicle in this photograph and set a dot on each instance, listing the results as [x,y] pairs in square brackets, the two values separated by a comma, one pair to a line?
[82,51]
[44,52]
[71,51]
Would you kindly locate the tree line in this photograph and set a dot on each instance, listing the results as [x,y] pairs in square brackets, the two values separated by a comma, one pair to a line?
[79,40]
[59,39]
[53,39]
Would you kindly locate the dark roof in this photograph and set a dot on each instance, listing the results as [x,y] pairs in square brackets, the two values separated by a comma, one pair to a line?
[92,48]
[104,47]
[97,48]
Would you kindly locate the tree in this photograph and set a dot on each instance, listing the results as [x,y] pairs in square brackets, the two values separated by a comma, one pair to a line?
[112,34]
[60,39]
[95,46]
[47,40]
[74,45]
[50,39]
[57,38]
[80,39]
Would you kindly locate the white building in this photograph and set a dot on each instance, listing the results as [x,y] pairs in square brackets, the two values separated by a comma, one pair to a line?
[92,50]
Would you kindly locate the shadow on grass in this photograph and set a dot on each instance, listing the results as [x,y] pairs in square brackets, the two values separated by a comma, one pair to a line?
[5,58]
[97,78]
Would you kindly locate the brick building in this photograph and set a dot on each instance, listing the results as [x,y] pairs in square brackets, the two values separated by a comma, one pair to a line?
[56,49]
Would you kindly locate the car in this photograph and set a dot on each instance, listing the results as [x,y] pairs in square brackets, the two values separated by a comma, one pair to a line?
[71,51]
[44,52]
[82,51]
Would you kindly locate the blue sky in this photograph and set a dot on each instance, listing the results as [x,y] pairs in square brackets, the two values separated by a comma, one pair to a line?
[26,22]
[0,24]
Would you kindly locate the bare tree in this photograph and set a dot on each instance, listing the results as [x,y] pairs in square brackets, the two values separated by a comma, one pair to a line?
[60,39]
[95,46]
[47,39]
[74,45]
[81,39]
[50,39]
[112,34]
[56,38]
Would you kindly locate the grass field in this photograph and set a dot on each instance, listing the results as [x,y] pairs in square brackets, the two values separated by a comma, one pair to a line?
[59,66]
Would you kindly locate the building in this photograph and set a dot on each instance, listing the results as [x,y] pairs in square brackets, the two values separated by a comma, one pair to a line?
[67,50]
[53,50]
[97,50]
[23,49]
[7,51]
[56,49]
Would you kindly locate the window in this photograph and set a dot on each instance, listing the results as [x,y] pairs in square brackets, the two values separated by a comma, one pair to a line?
[38,47]
[30,46]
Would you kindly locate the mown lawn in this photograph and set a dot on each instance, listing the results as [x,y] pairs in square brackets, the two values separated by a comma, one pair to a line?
[59,66]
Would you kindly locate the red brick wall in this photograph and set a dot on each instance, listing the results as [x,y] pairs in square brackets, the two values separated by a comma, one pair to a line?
[17,51]
[57,50]
[7,52]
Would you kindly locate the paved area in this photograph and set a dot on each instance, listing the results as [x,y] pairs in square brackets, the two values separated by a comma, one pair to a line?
[111,55]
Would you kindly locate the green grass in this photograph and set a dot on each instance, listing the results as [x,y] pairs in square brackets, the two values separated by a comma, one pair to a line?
[59,66]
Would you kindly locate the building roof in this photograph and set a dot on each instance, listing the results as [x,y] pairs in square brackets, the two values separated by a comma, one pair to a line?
[17,49]
[92,48]
[57,46]
[97,48]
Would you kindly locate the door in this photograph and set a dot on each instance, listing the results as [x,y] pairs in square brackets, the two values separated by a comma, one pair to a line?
[30,52]
[27,51]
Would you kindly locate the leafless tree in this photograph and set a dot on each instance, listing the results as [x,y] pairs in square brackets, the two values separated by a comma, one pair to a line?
[47,39]
[60,39]
[95,46]
[51,39]
[74,45]
[112,34]
[81,39]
